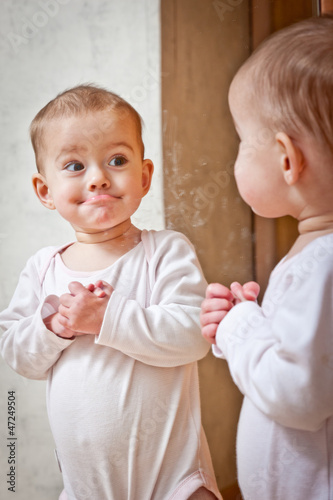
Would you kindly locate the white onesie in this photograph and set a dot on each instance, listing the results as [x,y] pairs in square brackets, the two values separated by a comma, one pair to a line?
[124,407]
[281,357]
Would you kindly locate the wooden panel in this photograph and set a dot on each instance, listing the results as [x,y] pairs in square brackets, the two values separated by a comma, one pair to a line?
[285,13]
[203,44]
[326,6]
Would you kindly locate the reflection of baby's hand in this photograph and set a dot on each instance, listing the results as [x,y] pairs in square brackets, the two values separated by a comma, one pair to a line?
[249,291]
[218,301]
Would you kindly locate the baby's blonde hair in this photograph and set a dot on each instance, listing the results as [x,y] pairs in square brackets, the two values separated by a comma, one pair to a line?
[290,81]
[76,101]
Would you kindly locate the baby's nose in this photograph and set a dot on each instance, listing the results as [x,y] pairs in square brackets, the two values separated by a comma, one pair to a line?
[98,179]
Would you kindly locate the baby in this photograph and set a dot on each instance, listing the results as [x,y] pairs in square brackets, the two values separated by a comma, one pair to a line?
[111,320]
[280,355]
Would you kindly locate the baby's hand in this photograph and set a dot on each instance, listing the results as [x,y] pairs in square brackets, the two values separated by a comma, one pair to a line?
[82,310]
[53,324]
[219,300]
[249,291]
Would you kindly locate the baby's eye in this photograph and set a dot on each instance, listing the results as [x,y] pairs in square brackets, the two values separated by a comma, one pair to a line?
[74,167]
[118,161]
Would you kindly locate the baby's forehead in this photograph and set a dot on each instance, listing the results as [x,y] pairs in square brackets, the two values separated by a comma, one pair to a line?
[242,83]
[97,124]
[242,95]
[84,132]
[103,117]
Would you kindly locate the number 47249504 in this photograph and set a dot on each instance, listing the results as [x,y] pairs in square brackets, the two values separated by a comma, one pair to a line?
[11,413]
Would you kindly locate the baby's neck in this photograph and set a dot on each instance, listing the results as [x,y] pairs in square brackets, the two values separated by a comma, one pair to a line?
[110,234]
[309,229]
[317,225]
[96,251]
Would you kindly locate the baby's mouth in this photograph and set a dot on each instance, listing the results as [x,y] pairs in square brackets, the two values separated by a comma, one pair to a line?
[100,198]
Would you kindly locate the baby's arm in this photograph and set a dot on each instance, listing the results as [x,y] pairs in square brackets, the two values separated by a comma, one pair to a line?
[82,310]
[280,354]
[27,345]
[219,300]
[160,326]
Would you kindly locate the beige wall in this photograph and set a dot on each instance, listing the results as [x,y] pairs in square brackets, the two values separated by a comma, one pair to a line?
[203,44]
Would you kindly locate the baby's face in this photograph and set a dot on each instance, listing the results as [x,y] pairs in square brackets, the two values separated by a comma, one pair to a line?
[257,168]
[93,169]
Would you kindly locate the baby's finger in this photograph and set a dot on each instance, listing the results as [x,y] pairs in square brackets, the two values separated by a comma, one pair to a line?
[99,292]
[209,305]
[75,287]
[251,290]
[216,290]
[63,311]
[96,289]
[103,285]
[66,299]
[237,291]
[212,317]
[209,333]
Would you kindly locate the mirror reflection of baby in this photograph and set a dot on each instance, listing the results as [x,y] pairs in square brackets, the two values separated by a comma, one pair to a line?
[112,319]
[280,355]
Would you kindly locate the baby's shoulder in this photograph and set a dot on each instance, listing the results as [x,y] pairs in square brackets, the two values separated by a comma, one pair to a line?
[164,240]
[41,260]
[317,255]
[312,268]
[164,236]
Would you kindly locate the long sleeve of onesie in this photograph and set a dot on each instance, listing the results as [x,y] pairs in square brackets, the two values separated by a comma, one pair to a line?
[27,345]
[167,331]
[280,355]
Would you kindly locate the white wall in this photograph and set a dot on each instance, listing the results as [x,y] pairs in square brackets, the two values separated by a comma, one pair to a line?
[45,47]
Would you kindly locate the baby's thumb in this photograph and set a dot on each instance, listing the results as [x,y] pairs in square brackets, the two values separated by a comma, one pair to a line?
[75,287]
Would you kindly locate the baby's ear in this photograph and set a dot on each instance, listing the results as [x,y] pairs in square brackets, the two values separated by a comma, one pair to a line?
[292,160]
[42,191]
[147,174]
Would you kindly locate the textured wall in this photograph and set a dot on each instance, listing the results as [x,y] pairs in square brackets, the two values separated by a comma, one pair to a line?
[45,47]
